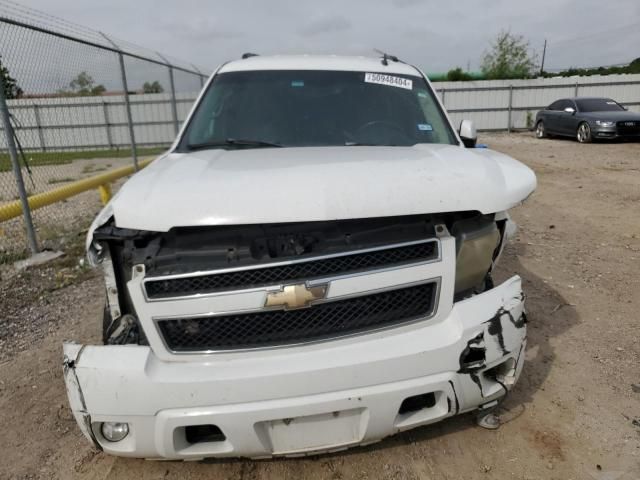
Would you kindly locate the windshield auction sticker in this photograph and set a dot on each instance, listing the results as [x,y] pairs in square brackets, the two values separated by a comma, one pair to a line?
[389,80]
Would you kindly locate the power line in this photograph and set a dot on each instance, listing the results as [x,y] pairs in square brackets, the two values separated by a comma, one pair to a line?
[633,26]
[588,38]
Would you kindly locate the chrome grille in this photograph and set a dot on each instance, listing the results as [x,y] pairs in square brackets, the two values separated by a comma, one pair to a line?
[285,327]
[297,270]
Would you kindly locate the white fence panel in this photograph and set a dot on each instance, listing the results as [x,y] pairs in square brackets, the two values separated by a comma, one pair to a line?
[506,104]
[100,122]
[64,123]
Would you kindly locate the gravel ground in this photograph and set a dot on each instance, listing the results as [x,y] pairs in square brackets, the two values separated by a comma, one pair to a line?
[570,417]
[54,222]
[46,177]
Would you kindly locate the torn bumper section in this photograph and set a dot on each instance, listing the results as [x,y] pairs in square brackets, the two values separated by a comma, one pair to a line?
[301,400]
[74,391]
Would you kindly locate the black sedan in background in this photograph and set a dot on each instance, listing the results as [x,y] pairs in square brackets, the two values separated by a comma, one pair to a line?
[587,119]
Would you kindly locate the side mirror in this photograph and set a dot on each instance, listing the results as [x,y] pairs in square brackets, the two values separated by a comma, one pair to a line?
[468,133]
[570,110]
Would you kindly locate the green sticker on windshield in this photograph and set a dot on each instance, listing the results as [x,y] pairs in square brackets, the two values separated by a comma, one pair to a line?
[297,83]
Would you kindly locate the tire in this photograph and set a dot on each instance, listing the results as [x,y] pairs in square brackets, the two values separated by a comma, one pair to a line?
[583,134]
[541,132]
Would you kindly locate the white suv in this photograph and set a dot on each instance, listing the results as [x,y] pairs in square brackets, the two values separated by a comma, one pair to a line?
[308,268]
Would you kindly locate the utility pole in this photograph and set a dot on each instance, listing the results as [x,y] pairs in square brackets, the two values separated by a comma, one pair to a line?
[544,51]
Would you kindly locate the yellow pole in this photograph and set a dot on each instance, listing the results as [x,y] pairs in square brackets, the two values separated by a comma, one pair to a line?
[14,209]
[105,193]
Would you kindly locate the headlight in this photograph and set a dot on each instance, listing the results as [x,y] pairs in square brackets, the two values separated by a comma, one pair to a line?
[476,240]
[605,123]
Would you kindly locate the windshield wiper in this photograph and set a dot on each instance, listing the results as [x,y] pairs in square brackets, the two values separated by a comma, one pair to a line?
[360,144]
[232,142]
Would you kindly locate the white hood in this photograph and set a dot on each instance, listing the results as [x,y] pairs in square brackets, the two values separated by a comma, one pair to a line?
[272,185]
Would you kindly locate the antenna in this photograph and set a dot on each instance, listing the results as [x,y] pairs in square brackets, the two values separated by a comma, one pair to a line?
[249,55]
[386,57]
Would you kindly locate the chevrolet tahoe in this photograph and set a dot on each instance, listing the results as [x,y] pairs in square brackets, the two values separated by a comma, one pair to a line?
[308,268]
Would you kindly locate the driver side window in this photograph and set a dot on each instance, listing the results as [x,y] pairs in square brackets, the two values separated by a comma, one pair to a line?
[566,104]
[432,116]
[556,105]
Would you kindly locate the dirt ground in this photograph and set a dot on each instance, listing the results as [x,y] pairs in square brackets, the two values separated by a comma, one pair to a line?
[54,221]
[570,417]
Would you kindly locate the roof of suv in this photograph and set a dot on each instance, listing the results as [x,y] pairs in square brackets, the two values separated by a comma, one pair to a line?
[318,62]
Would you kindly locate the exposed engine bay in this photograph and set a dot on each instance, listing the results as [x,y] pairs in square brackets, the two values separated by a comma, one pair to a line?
[196,249]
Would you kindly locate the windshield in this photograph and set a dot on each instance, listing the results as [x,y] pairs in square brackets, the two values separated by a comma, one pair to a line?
[598,105]
[316,108]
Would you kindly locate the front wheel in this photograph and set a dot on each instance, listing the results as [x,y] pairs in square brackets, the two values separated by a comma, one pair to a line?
[540,130]
[583,134]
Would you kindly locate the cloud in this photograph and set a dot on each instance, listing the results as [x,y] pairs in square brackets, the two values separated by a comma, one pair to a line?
[436,36]
[406,3]
[201,30]
[325,25]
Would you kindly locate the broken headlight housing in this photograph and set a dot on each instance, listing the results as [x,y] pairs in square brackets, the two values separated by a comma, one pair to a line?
[476,242]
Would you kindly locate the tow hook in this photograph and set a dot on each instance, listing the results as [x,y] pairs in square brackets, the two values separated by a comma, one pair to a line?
[486,416]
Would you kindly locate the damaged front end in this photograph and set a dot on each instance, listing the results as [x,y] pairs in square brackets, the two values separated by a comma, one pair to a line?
[126,253]
[396,321]
[493,358]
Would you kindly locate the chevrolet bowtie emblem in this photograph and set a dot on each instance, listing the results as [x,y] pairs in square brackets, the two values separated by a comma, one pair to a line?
[295,296]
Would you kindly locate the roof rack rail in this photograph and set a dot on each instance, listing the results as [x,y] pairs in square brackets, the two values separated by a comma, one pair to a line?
[386,57]
[249,55]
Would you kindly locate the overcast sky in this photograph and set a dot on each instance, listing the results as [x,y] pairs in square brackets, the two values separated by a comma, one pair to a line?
[436,35]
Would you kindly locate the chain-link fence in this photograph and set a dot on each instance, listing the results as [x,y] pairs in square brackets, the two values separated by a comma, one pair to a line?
[80,103]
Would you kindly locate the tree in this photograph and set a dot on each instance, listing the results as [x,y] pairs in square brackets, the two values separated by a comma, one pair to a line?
[154,87]
[508,57]
[84,85]
[458,75]
[11,88]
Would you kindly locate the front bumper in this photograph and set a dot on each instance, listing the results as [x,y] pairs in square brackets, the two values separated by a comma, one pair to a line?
[302,400]
[603,132]
[612,133]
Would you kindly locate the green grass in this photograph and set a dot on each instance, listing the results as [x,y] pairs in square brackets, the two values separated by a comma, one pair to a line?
[36,159]
[13,256]
[53,181]
[91,168]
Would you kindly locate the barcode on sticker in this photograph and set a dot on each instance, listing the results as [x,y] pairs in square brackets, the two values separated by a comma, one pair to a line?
[390,80]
